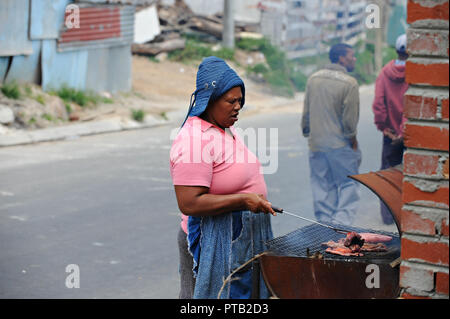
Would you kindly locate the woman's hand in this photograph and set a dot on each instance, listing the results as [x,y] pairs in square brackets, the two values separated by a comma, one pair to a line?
[257,203]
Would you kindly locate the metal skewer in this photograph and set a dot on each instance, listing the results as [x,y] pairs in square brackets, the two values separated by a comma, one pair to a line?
[282,211]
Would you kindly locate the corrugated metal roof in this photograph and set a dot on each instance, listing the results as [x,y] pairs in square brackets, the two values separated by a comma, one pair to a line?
[14,16]
[100,26]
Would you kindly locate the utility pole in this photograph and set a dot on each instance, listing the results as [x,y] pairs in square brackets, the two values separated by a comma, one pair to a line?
[380,34]
[228,25]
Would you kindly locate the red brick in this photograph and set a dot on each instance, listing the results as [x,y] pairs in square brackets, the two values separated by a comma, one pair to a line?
[406,295]
[417,11]
[414,223]
[426,137]
[444,227]
[444,110]
[435,74]
[420,107]
[442,283]
[412,194]
[431,252]
[418,164]
[445,169]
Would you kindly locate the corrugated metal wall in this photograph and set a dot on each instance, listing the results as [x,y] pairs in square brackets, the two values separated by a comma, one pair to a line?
[14,15]
[61,69]
[26,68]
[96,56]
[46,18]
[100,26]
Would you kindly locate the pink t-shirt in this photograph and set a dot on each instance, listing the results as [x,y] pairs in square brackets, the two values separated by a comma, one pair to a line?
[205,155]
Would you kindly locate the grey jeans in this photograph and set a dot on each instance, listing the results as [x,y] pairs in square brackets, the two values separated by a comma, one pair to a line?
[187,280]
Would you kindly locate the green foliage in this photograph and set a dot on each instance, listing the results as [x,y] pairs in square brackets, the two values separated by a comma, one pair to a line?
[279,73]
[299,80]
[48,117]
[195,51]
[28,91]
[280,83]
[164,116]
[138,115]
[258,68]
[68,107]
[364,67]
[224,53]
[11,90]
[41,99]
[248,44]
[106,100]
[153,59]
[389,54]
[82,98]
[72,95]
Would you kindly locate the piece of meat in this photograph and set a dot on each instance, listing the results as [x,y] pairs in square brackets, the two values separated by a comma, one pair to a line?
[375,238]
[367,247]
[353,238]
[333,244]
[355,248]
[378,247]
[343,251]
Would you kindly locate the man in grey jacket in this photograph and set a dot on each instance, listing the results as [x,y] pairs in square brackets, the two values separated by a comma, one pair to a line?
[329,121]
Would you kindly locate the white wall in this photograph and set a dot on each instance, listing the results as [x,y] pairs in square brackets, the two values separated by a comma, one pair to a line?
[245,10]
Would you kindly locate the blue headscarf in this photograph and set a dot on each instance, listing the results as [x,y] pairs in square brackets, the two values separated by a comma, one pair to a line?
[214,78]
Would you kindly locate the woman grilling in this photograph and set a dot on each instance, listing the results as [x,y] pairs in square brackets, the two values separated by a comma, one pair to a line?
[220,190]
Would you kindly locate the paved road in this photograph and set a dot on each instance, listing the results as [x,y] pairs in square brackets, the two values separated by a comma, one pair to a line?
[106,204]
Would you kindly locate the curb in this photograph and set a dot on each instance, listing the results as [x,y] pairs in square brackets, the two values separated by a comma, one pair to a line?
[18,137]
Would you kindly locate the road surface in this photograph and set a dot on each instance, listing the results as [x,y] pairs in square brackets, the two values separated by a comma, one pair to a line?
[106,204]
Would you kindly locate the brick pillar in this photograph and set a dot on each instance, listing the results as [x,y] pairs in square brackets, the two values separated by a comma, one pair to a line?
[424,271]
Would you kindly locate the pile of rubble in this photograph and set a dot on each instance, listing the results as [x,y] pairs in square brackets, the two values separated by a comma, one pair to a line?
[179,19]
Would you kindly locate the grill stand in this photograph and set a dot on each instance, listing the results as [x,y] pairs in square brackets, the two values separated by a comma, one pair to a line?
[298,276]
[306,278]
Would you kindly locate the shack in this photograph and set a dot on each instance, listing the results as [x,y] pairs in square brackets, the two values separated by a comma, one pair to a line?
[85,45]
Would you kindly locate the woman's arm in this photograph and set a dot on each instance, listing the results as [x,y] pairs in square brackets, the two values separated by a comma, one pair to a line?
[196,201]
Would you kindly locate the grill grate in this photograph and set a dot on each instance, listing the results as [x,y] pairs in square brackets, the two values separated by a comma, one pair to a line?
[311,237]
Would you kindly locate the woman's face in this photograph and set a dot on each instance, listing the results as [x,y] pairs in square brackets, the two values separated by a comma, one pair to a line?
[224,111]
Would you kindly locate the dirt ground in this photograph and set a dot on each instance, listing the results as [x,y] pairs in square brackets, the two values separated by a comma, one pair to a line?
[168,86]
[157,88]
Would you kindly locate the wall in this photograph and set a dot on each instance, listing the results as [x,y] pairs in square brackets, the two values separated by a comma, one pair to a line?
[303,27]
[424,271]
[96,56]
[245,10]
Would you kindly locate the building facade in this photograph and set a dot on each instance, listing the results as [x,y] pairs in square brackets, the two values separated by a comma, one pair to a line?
[304,27]
[84,45]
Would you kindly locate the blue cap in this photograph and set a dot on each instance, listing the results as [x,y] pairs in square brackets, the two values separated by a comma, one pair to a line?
[214,79]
